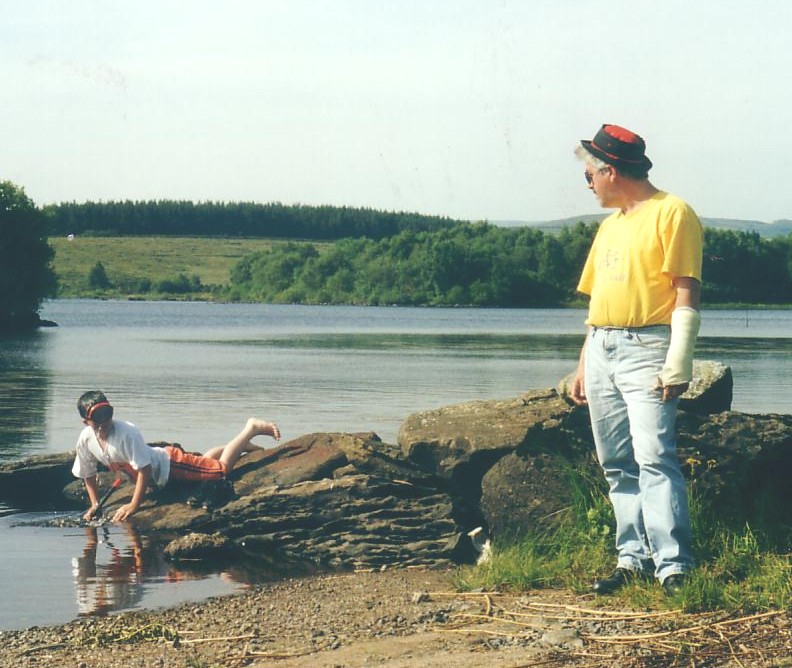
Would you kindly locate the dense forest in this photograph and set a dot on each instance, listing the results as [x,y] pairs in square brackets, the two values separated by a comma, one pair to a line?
[405,258]
[483,265]
[232,219]
[475,264]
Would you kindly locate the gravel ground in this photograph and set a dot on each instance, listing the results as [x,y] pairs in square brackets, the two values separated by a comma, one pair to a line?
[400,618]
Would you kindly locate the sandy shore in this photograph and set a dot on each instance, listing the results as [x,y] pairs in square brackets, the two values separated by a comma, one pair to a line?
[399,618]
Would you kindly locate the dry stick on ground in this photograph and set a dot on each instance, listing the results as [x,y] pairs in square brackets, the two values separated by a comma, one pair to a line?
[626,614]
[489,632]
[488,618]
[588,618]
[193,641]
[462,594]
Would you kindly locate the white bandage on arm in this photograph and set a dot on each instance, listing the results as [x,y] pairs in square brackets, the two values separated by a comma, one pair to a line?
[678,367]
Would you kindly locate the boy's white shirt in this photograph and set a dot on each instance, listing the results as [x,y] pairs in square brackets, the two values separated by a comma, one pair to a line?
[125,445]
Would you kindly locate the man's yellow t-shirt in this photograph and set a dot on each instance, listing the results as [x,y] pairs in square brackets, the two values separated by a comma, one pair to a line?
[634,258]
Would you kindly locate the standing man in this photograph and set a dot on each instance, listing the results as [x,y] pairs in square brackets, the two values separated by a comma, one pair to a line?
[643,275]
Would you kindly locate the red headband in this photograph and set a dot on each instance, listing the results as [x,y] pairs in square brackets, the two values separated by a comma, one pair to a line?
[93,408]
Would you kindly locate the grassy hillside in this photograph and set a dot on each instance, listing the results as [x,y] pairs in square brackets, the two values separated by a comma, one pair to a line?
[129,260]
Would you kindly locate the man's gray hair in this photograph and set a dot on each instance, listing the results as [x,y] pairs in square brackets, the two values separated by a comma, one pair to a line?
[590,159]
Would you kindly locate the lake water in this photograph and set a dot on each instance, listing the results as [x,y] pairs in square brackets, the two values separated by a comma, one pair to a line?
[193,372]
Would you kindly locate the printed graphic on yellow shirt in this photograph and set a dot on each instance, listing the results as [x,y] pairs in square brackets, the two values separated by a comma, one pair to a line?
[612,266]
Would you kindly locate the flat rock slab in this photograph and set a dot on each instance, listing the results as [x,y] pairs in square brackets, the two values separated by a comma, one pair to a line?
[445,439]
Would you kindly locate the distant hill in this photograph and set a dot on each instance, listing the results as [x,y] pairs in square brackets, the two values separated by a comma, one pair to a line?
[778,228]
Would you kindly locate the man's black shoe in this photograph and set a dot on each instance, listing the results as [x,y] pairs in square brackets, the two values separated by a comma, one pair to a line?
[674,584]
[617,579]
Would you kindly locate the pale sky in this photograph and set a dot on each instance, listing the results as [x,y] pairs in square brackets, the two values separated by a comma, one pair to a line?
[462,108]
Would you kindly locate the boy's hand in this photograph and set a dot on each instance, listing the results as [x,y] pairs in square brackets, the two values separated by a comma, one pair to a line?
[124,512]
[88,516]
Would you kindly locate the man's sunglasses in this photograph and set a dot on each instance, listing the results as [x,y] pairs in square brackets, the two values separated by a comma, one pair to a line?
[590,177]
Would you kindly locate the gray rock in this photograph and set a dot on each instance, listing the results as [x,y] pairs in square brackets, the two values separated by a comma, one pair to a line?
[524,492]
[451,440]
[202,546]
[36,483]
[739,464]
[710,391]
[353,521]
[564,638]
[291,508]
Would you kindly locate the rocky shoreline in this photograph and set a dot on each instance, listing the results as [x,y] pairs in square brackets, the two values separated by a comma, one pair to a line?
[337,500]
[400,618]
[401,517]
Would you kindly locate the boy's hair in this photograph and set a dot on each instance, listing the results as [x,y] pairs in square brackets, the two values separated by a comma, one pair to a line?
[93,405]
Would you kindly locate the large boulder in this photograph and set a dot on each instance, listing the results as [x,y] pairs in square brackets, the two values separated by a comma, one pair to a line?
[522,462]
[711,390]
[37,483]
[739,464]
[462,441]
[530,490]
[355,520]
[511,459]
[334,499]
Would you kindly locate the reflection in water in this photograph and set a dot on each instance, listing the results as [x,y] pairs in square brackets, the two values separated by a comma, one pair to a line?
[109,574]
[24,392]
[119,569]
[45,566]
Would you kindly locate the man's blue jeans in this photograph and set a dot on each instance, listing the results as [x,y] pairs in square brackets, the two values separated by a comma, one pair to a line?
[634,432]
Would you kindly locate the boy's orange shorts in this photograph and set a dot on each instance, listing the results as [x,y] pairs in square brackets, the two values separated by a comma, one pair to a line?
[187,466]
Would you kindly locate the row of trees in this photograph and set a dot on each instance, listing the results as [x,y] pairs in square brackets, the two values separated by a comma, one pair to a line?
[483,265]
[232,219]
[747,268]
[476,264]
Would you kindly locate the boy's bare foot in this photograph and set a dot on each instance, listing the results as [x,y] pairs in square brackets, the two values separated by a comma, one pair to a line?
[263,427]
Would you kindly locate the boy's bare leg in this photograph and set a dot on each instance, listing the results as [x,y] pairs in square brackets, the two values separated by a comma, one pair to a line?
[230,453]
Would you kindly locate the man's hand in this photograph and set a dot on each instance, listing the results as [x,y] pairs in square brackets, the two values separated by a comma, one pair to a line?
[578,393]
[88,516]
[124,512]
[672,391]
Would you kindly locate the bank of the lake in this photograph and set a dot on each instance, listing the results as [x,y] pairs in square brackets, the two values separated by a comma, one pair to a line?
[192,372]
[401,618]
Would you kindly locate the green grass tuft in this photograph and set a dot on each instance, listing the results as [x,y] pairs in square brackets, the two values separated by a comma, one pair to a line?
[741,569]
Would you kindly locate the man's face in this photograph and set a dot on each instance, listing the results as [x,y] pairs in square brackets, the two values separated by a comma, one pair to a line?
[599,181]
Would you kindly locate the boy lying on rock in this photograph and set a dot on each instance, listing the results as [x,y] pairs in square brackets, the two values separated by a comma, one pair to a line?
[120,446]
